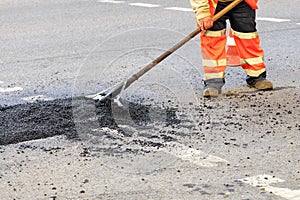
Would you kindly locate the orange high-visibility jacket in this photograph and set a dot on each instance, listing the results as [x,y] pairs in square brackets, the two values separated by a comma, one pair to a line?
[205,8]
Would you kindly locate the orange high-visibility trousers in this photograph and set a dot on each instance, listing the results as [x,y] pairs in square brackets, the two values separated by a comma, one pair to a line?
[213,43]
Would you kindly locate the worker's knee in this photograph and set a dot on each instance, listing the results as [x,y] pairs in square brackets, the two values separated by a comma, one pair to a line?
[244,25]
[243,19]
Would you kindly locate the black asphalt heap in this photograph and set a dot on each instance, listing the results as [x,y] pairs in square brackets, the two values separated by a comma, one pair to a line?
[44,119]
[36,120]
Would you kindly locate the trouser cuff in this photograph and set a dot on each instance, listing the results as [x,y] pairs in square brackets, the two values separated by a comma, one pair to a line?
[214,83]
[252,80]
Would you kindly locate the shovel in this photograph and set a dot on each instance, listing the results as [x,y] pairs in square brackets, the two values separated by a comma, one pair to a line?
[116,90]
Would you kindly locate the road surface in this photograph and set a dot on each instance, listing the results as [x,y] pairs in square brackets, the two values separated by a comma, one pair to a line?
[160,139]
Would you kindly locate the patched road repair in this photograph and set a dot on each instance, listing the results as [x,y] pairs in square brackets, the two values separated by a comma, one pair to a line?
[160,139]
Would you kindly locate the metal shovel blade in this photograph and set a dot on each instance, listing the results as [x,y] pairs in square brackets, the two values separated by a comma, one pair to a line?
[106,94]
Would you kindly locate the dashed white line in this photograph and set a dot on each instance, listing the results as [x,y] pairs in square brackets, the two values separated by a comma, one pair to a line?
[110,1]
[179,9]
[182,9]
[1,82]
[298,23]
[263,183]
[14,89]
[147,5]
[272,19]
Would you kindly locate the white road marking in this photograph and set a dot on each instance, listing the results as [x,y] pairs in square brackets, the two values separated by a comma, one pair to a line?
[106,129]
[182,9]
[14,89]
[147,5]
[1,82]
[272,19]
[298,23]
[194,156]
[180,151]
[230,41]
[263,183]
[32,99]
[110,1]
[179,9]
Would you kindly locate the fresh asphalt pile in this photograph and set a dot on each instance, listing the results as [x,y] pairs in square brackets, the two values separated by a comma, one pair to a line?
[37,120]
[133,127]
[42,119]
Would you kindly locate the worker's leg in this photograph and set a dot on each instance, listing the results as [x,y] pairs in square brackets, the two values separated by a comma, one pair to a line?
[213,43]
[242,20]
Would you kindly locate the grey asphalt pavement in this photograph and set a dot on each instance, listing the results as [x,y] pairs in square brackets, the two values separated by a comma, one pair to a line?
[160,139]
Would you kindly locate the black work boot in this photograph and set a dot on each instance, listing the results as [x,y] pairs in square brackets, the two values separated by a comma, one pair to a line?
[260,82]
[212,87]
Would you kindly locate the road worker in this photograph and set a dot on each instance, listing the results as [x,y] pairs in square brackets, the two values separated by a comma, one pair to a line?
[213,43]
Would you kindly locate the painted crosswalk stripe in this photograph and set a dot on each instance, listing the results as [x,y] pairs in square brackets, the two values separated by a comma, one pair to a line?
[179,9]
[272,19]
[263,183]
[14,89]
[147,5]
[110,1]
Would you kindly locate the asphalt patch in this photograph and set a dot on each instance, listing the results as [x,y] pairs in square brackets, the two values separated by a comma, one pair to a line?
[37,120]
[42,119]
